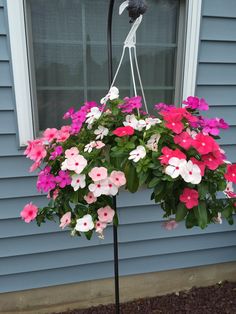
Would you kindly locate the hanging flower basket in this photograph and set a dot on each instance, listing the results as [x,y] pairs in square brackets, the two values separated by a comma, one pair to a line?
[117,145]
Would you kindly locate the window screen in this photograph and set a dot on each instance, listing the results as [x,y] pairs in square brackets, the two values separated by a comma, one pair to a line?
[67,44]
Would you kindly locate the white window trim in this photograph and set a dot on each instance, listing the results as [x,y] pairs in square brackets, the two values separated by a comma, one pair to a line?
[20,64]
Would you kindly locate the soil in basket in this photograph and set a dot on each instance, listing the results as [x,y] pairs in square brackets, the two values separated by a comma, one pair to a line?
[217,299]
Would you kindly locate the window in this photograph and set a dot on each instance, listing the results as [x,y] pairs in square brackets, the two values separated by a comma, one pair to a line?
[67,58]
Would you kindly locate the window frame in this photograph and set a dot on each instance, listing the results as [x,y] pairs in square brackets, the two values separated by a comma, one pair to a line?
[21,68]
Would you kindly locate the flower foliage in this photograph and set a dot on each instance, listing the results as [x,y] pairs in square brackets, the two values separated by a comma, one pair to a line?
[117,145]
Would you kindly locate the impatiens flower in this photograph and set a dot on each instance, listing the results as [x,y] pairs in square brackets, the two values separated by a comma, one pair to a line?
[117,178]
[130,104]
[72,152]
[89,147]
[204,144]
[69,113]
[101,131]
[191,173]
[175,167]
[137,154]
[35,150]
[84,224]
[65,220]
[98,173]
[46,181]
[170,225]
[35,166]
[130,120]
[212,161]
[184,140]
[99,188]
[98,144]
[163,107]
[169,153]
[124,131]
[173,122]
[112,188]
[63,179]
[106,214]
[100,226]
[229,188]
[90,198]
[64,133]
[217,219]
[189,197]
[78,181]
[55,194]
[152,143]
[29,212]
[93,115]
[57,152]
[111,95]
[231,173]
[76,164]
[50,134]
[200,164]
[151,121]
[195,103]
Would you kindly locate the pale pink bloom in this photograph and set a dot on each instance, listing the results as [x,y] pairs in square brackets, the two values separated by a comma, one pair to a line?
[29,212]
[229,188]
[76,164]
[34,166]
[106,214]
[191,173]
[64,133]
[175,166]
[99,144]
[93,115]
[99,188]
[101,131]
[218,219]
[55,194]
[170,225]
[151,121]
[78,181]
[65,220]
[141,124]
[137,154]
[89,147]
[84,224]
[152,143]
[112,188]
[98,173]
[100,226]
[72,152]
[50,134]
[130,120]
[117,178]
[90,198]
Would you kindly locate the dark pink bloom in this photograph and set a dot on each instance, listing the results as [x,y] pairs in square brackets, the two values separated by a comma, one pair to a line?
[46,181]
[189,197]
[184,140]
[35,150]
[169,153]
[130,104]
[124,131]
[163,107]
[29,212]
[230,174]
[173,122]
[69,113]
[57,152]
[204,144]
[63,179]
[195,103]
[213,160]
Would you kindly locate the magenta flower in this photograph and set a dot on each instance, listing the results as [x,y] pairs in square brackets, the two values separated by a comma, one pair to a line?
[57,152]
[195,103]
[163,107]
[63,179]
[46,181]
[69,113]
[130,104]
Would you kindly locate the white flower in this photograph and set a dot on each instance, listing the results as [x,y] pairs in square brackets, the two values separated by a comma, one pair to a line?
[175,166]
[93,115]
[84,224]
[141,124]
[112,188]
[218,219]
[76,164]
[99,188]
[138,153]
[151,121]
[112,94]
[191,173]
[89,147]
[193,134]
[101,132]
[131,121]
[153,141]
[78,181]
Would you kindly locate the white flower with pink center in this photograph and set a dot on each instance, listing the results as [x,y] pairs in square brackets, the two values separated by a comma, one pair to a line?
[191,173]
[72,152]
[78,181]
[112,188]
[76,164]
[151,121]
[106,214]
[89,147]
[117,178]
[99,188]
[84,224]
[90,198]
[100,226]
[217,219]
[93,115]
[130,120]
[65,220]
[138,153]
[98,173]
[175,167]
[101,131]
[152,143]
[99,144]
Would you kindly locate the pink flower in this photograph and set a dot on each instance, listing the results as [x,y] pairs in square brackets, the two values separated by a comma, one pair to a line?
[184,140]
[230,174]
[63,179]
[90,198]
[69,113]
[212,161]
[64,133]
[55,194]
[35,150]
[204,144]
[65,220]
[46,181]
[29,212]
[99,188]
[163,107]
[117,178]
[106,214]
[169,153]
[99,144]
[112,188]
[50,134]
[72,152]
[200,164]
[173,122]
[195,103]
[189,197]
[34,166]
[100,226]
[124,131]
[170,225]
[130,104]
[76,164]
[57,152]
[98,173]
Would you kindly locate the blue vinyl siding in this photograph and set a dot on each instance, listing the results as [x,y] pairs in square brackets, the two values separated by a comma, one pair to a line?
[32,257]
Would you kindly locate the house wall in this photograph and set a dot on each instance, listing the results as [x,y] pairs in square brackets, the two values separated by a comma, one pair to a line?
[32,257]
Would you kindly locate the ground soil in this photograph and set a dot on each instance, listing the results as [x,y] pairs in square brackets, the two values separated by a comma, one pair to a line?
[217,299]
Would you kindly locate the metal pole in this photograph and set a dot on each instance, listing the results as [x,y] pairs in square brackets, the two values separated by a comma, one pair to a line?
[115,235]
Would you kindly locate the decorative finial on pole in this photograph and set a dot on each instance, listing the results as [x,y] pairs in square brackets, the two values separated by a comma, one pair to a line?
[136,8]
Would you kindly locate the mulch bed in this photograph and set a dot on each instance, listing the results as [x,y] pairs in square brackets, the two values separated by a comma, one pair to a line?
[217,299]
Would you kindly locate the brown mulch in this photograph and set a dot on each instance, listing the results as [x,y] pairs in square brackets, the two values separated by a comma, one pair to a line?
[217,299]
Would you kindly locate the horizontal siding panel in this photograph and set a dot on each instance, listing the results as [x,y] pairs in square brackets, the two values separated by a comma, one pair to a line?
[9,145]
[2,21]
[19,187]
[218,29]
[61,240]
[104,253]
[5,77]
[216,74]
[217,52]
[15,166]
[226,8]
[3,48]
[230,151]
[6,97]
[226,112]
[228,136]
[218,95]
[105,270]
[7,123]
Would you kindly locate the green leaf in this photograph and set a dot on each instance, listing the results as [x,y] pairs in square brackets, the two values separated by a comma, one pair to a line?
[153,182]
[89,234]
[201,214]
[203,190]
[181,212]
[132,178]
[116,220]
